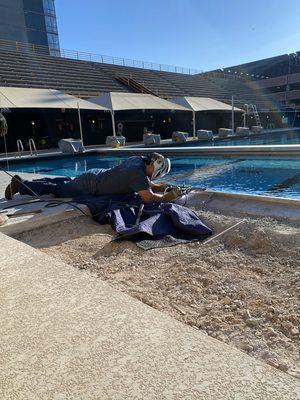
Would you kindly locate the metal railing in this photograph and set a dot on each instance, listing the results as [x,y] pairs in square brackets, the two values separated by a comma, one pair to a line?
[100,58]
[20,148]
[32,147]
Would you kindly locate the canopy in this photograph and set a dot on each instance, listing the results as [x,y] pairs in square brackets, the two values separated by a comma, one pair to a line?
[203,104]
[12,97]
[135,101]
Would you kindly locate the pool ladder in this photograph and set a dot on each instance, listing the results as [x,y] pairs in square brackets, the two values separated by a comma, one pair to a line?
[253,110]
[32,147]
[20,148]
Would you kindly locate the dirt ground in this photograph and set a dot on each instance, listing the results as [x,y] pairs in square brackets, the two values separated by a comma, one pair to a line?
[243,288]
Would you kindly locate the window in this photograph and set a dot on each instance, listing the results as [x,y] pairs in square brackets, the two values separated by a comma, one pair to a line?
[51,25]
[53,44]
[49,7]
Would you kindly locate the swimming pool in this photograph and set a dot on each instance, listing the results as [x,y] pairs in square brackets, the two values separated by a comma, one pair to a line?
[272,177]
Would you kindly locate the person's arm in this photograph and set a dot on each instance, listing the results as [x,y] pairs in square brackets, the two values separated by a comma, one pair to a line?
[148,196]
[158,187]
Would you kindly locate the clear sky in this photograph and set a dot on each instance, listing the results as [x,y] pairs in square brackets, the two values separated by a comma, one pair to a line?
[200,34]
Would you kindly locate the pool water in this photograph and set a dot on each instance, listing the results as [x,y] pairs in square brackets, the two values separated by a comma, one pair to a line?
[272,177]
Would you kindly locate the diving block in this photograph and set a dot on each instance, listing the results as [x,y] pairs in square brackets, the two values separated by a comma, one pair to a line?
[224,132]
[71,146]
[115,141]
[203,134]
[151,138]
[178,136]
[242,131]
[257,129]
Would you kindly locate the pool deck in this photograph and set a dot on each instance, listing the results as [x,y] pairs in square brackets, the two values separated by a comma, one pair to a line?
[32,215]
[65,334]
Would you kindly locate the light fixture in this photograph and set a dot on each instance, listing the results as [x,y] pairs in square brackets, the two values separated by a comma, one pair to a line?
[93,121]
[32,123]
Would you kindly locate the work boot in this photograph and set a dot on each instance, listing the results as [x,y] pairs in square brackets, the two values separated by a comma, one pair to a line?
[13,188]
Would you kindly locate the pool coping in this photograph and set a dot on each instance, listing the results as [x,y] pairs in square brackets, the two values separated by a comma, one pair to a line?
[245,196]
[228,151]
[237,204]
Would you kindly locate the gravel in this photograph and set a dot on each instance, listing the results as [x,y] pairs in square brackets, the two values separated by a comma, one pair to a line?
[242,288]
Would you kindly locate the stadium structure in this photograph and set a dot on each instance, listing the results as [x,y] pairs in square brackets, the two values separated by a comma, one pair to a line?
[271,86]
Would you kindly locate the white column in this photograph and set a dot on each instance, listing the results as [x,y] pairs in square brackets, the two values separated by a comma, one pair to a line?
[194,124]
[232,114]
[113,122]
[80,125]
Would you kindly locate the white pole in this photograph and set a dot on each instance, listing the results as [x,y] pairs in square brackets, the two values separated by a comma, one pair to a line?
[113,122]
[245,114]
[194,124]
[232,114]
[79,120]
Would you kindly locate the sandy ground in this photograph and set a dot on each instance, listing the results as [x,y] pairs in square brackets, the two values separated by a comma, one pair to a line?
[243,288]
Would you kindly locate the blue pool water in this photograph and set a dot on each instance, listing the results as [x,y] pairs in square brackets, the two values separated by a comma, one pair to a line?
[272,177]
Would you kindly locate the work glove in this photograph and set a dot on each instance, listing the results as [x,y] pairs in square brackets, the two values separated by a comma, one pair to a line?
[172,194]
[158,187]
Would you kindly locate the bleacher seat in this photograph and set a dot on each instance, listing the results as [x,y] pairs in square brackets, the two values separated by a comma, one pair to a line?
[22,68]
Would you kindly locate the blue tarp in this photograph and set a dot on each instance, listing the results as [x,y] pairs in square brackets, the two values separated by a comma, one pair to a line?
[157,219]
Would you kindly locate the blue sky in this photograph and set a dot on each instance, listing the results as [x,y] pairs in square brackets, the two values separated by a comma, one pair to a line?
[200,34]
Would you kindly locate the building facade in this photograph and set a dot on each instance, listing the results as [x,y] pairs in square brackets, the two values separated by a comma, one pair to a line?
[30,22]
[278,77]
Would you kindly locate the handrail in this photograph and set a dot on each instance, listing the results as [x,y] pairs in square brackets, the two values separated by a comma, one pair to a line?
[104,59]
[20,148]
[99,58]
[32,147]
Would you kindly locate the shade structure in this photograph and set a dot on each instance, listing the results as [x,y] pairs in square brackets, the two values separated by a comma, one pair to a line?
[12,97]
[196,104]
[135,101]
[202,104]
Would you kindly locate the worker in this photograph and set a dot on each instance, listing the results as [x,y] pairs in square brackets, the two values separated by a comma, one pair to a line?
[135,174]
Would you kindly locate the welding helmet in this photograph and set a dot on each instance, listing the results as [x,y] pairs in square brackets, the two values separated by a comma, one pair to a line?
[162,165]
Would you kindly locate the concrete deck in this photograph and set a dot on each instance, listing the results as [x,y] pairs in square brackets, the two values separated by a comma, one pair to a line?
[37,215]
[65,334]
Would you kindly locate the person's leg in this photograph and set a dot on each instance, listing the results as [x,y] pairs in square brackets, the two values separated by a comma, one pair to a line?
[72,188]
[42,186]
[59,187]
